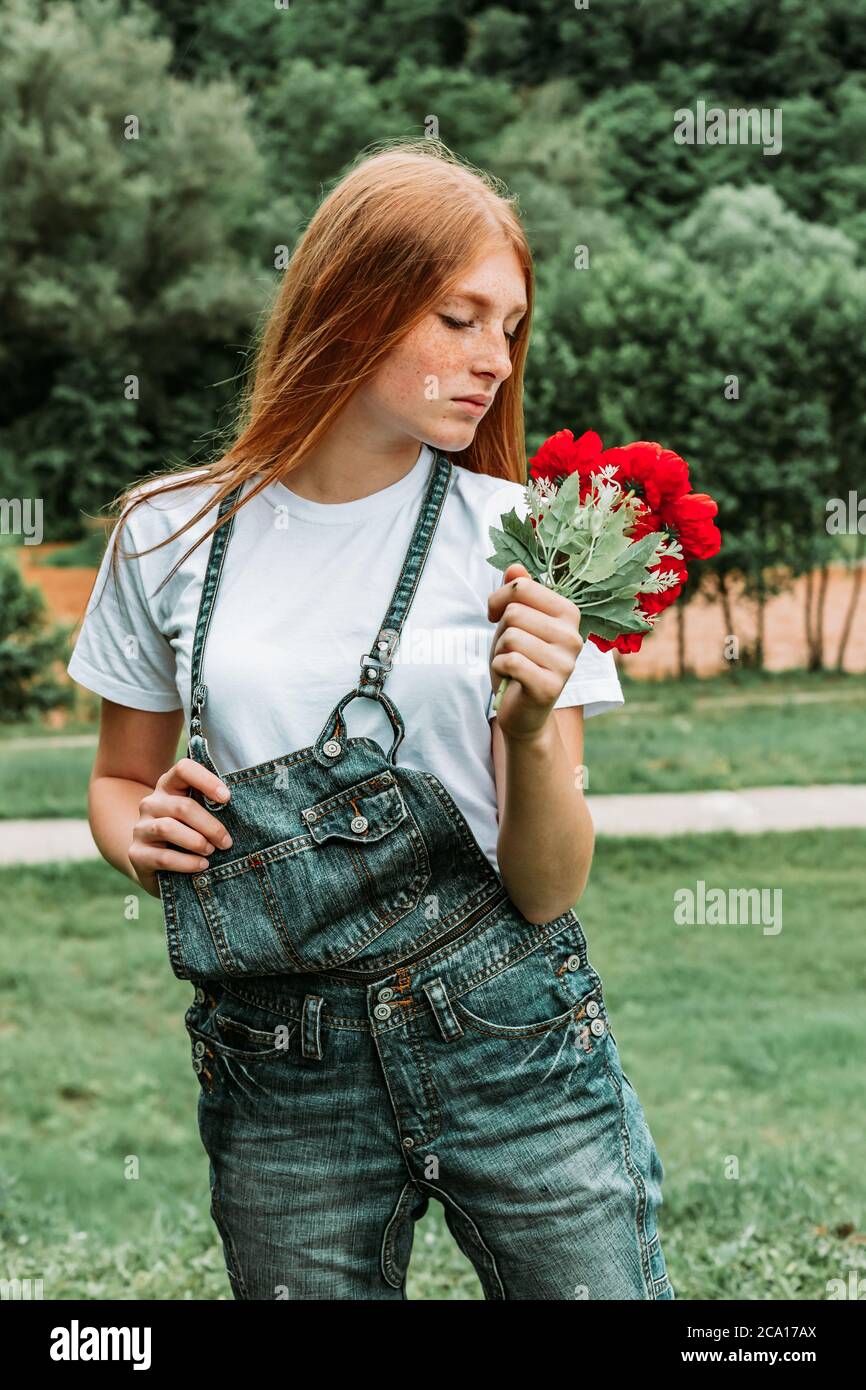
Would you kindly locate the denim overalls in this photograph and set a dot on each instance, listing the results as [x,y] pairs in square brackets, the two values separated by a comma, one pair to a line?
[375,1023]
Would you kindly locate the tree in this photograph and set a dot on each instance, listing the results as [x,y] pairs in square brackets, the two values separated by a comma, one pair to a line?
[128,266]
[789,308]
[28,650]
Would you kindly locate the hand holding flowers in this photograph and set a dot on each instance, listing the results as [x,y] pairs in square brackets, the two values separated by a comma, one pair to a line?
[609,532]
[536,641]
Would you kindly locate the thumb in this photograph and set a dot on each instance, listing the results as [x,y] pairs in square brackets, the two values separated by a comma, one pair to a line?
[515,571]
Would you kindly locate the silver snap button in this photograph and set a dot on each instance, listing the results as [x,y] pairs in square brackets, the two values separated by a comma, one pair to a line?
[597,1027]
[331,748]
[385,994]
[310,816]
[592,1008]
[359,824]
[198,1048]
[200,881]
[197,1065]
[199,995]
[372,673]
[382,1011]
[573,963]
[408,1142]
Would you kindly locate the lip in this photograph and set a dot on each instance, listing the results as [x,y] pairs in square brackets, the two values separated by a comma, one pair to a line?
[475,407]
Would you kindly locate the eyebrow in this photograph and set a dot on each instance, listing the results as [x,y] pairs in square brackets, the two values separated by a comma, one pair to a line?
[484,302]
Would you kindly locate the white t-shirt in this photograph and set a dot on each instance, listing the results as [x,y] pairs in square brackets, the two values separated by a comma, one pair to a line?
[304,588]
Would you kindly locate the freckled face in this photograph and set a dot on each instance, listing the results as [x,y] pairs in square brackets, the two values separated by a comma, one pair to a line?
[461,348]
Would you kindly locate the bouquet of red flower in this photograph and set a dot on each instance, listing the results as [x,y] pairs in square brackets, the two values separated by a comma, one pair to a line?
[611,529]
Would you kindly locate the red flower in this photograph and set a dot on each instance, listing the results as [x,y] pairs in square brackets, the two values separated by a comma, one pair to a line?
[656,475]
[656,603]
[690,519]
[562,454]
[645,522]
[626,642]
[659,479]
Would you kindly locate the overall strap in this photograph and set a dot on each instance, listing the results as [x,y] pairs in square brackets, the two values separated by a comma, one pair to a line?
[376,664]
[329,747]
[219,544]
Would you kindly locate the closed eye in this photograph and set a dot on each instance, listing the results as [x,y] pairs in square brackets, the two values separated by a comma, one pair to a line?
[459,323]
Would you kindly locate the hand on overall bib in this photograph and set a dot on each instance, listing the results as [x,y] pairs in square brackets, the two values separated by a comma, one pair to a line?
[536,643]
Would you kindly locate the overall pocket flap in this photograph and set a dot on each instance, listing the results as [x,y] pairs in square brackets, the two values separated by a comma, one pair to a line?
[365,812]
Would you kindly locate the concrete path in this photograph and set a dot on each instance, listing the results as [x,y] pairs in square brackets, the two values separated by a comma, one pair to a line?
[42,841]
[748,812]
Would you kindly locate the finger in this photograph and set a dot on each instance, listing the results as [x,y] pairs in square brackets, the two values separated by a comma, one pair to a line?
[544,654]
[173,861]
[529,591]
[183,808]
[188,773]
[550,629]
[540,686]
[165,830]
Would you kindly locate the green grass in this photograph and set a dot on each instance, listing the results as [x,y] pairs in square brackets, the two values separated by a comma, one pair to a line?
[779,729]
[751,730]
[742,1046]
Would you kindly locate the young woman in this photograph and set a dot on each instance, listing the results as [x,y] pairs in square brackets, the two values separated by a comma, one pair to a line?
[373,896]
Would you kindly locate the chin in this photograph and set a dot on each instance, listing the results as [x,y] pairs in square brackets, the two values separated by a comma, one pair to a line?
[449,438]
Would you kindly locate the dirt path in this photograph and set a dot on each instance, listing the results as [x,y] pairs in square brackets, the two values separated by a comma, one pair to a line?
[785,639]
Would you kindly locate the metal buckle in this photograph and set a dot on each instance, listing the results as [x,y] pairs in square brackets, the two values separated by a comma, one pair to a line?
[374,669]
[198,699]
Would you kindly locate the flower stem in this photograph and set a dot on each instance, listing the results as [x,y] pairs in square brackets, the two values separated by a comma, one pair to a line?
[500,692]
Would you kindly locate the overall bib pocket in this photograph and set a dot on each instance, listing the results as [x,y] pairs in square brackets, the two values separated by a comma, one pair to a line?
[314,900]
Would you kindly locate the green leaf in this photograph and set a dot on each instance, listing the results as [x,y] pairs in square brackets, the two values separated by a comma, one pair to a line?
[515,543]
[558,512]
[602,627]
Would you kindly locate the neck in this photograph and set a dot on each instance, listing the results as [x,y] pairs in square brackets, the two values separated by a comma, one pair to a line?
[350,463]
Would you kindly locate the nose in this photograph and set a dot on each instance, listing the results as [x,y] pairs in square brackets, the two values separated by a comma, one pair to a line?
[493,357]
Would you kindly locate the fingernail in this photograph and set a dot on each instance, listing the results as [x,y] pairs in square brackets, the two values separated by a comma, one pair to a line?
[227,841]
[222,790]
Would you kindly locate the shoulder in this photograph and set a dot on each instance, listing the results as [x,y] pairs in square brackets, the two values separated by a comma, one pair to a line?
[487,491]
[486,499]
[158,507]
[480,502]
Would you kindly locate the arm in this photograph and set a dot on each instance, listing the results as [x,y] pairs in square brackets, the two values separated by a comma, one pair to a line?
[138,801]
[546,835]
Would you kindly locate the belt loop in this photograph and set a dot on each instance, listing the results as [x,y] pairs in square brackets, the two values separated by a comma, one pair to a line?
[449,1026]
[311,1037]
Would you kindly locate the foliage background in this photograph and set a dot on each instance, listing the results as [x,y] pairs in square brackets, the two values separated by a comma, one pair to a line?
[151,258]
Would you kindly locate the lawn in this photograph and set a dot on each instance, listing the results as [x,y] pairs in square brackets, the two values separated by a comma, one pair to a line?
[744,1046]
[788,729]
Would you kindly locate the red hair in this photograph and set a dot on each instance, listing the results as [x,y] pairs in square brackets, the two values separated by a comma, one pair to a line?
[381,249]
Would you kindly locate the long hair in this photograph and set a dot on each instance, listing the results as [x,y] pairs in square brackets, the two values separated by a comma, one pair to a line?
[393,235]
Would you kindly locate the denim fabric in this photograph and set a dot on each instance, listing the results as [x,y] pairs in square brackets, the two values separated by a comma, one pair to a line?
[375,1022]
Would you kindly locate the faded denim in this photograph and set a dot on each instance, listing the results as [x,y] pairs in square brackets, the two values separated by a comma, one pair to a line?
[375,1023]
